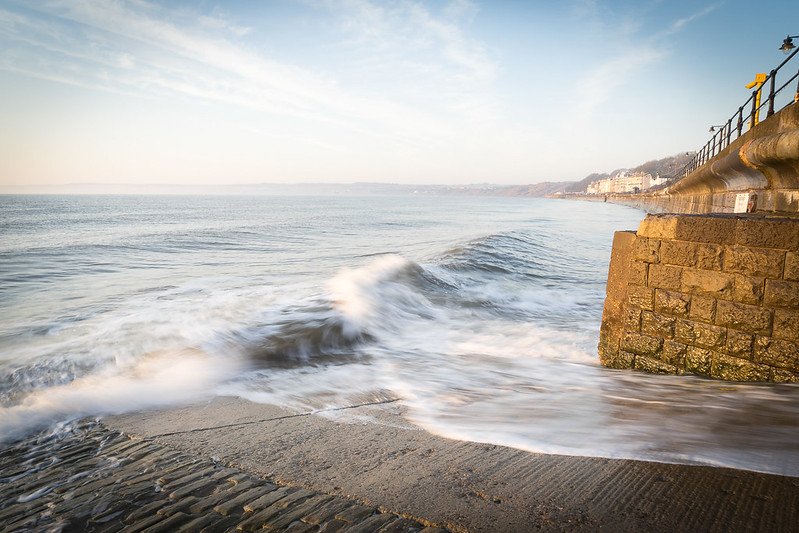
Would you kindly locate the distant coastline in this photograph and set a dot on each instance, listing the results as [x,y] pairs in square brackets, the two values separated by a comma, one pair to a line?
[666,167]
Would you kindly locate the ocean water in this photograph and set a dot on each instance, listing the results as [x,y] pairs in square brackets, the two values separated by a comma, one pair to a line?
[481,314]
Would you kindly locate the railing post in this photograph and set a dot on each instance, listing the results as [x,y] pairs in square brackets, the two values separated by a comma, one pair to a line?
[740,120]
[729,131]
[755,103]
[773,76]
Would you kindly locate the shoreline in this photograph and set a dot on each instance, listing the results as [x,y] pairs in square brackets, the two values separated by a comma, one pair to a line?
[388,464]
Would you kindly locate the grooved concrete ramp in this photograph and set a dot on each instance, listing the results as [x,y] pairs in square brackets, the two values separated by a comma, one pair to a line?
[464,486]
[96,479]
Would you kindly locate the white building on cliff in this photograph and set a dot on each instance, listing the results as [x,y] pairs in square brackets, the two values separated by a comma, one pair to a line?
[624,182]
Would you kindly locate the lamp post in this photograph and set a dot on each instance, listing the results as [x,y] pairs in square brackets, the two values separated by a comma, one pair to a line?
[787,46]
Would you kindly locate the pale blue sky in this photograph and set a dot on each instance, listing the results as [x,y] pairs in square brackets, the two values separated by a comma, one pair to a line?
[359,90]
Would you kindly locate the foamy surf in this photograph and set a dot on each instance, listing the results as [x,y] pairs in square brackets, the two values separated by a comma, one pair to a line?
[153,380]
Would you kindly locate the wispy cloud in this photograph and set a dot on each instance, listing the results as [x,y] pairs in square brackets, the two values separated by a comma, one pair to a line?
[137,47]
[412,27]
[424,49]
[595,88]
[680,24]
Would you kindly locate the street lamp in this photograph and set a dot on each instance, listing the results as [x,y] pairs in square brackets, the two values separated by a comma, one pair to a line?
[787,44]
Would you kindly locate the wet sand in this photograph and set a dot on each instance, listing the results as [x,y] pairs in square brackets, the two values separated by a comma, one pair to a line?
[371,454]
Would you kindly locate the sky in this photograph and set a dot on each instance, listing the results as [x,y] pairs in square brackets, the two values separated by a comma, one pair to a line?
[340,91]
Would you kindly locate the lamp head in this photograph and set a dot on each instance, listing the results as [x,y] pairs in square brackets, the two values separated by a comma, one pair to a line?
[787,45]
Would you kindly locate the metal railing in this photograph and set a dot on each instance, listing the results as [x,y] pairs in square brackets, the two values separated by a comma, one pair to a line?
[734,126]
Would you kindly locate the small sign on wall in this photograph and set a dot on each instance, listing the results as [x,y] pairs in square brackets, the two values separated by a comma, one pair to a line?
[741,202]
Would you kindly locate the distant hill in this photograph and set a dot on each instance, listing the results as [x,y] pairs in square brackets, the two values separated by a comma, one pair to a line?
[580,186]
[536,189]
[666,167]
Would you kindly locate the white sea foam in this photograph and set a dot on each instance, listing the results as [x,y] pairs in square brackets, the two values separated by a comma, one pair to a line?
[379,295]
[156,379]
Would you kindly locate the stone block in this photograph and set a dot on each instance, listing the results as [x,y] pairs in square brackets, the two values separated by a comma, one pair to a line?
[699,334]
[786,325]
[743,317]
[779,353]
[657,325]
[693,228]
[791,266]
[761,233]
[706,228]
[698,361]
[671,303]
[674,353]
[646,250]
[679,253]
[619,360]
[734,369]
[641,297]
[781,294]
[708,256]
[622,360]
[640,344]
[748,289]
[739,344]
[654,366]
[658,227]
[691,254]
[608,349]
[638,273]
[665,277]
[759,262]
[708,283]
[702,309]
[779,375]
[632,319]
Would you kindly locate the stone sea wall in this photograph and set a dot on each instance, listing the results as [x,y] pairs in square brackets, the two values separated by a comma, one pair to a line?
[716,296]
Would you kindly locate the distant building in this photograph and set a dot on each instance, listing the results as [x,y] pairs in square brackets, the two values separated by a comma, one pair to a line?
[624,182]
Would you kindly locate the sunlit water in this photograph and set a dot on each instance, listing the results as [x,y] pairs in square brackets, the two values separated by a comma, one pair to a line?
[482,314]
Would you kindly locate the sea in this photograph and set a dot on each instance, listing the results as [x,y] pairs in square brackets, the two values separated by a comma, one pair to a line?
[480,314]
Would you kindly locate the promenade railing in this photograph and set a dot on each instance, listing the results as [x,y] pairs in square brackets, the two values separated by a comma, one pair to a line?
[739,123]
